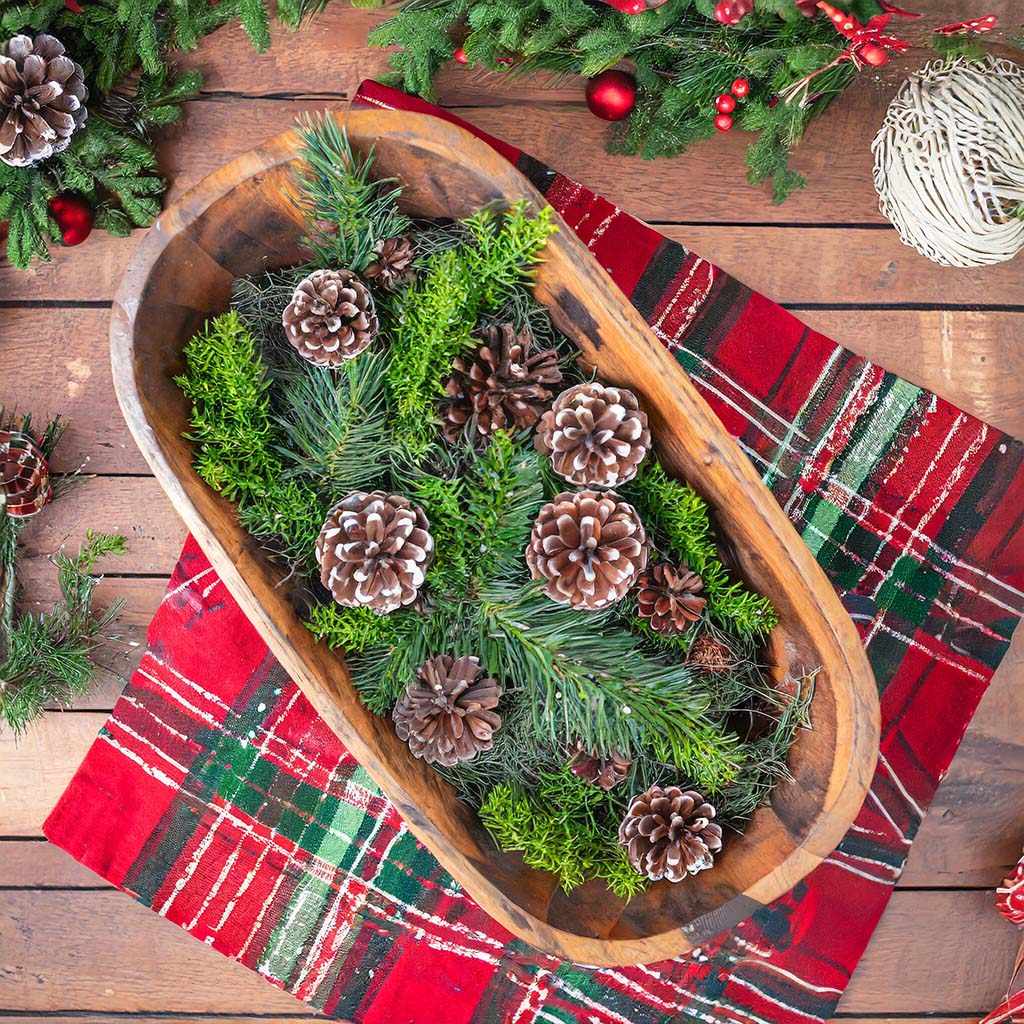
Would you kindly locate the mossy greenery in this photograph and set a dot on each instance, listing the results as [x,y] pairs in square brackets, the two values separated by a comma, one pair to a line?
[287,440]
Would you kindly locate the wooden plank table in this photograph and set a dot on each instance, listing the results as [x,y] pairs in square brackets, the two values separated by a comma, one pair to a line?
[71,948]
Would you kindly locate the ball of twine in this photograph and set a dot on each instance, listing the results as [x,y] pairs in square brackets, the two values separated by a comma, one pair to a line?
[949,162]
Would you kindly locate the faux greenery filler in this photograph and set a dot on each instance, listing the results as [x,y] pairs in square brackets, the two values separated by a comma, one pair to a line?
[287,440]
[46,657]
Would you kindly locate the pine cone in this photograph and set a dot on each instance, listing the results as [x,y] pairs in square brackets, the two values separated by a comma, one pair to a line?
[448,716]
[331,318]
[604,770]
[596,436]
[710,655]
[393,265]
[42,99]
[668,833]
[590,547]
[670,598]
[503,384]
[374,550]
[24,475]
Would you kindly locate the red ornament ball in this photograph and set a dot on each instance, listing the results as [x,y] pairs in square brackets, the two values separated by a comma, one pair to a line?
[740,88]
[73,216]
[725,104]
[732,12]
[873,54]
[460,56]
[723,122]
[611,95]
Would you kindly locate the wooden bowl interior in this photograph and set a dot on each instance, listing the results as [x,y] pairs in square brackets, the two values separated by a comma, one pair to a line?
[183,275]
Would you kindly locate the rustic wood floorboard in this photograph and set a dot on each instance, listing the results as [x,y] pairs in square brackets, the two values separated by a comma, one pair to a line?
[69,944]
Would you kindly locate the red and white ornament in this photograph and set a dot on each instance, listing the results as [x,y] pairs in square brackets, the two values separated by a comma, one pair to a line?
[73,216]
[732,12]
[724,103]
[611,95]
[460,56]
[975,27]
[1010,896]
[740,88]
[723,122]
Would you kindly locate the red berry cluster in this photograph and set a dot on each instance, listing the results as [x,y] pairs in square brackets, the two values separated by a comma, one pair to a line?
[732,12]
[725,103]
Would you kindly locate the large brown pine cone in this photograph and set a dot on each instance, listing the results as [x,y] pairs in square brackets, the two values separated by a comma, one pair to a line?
[392,264]
[669,833]
[604,770]
[597,436]
[331,318]
[374,550]
[503,383]
[24,475]
[42,99]
[670,599]
[448,714]
[590,547]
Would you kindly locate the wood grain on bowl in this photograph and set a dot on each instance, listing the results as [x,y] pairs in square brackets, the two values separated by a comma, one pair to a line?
[241,220]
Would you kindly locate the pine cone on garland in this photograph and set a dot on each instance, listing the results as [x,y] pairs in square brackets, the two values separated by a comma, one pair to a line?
[393,265]
[597,436]
[604,770]
[668,833]
[707,654]
[589,546]
[670,599]
[448,715]
[331,318]
[503,383]
[24,475]
[373,551]
[42,99]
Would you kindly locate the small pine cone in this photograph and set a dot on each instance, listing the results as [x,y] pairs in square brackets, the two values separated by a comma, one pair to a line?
[42,99]
[668,833]
[331,318]
[597,436]
[710,655]
[24,475]
[590,547]
[502,383]
[604,770]
[373,551]
[670,599]
[393,266]
[448,715]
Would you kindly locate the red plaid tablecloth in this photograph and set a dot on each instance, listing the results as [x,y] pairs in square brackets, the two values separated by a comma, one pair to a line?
[215,795]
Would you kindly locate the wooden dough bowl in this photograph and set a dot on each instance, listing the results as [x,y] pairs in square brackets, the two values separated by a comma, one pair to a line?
[241,220]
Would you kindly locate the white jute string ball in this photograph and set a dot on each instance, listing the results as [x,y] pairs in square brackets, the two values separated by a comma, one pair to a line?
[949,162]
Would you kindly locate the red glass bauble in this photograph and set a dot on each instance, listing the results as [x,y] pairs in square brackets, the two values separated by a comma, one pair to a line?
[723,122]
[725,104]
[740,88]
[460,56]
[611,95]
[873,54]
[73,216]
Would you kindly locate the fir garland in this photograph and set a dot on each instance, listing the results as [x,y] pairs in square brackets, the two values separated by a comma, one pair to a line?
[287,440]
[122,46]
[46,658]
[681,56]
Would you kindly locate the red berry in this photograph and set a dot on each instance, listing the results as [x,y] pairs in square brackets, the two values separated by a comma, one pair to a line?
[723,122]
[740,88]
[725,104]
[460,56]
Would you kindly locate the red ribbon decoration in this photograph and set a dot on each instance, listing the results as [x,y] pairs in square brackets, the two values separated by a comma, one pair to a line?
[976,26]
[867,43]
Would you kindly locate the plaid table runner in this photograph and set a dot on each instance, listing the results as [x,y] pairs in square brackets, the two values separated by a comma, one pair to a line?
[215,796]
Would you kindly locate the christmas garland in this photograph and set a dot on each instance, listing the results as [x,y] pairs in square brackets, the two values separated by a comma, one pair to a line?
[82,87]
[400,423]
[45,658]
[670,73]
